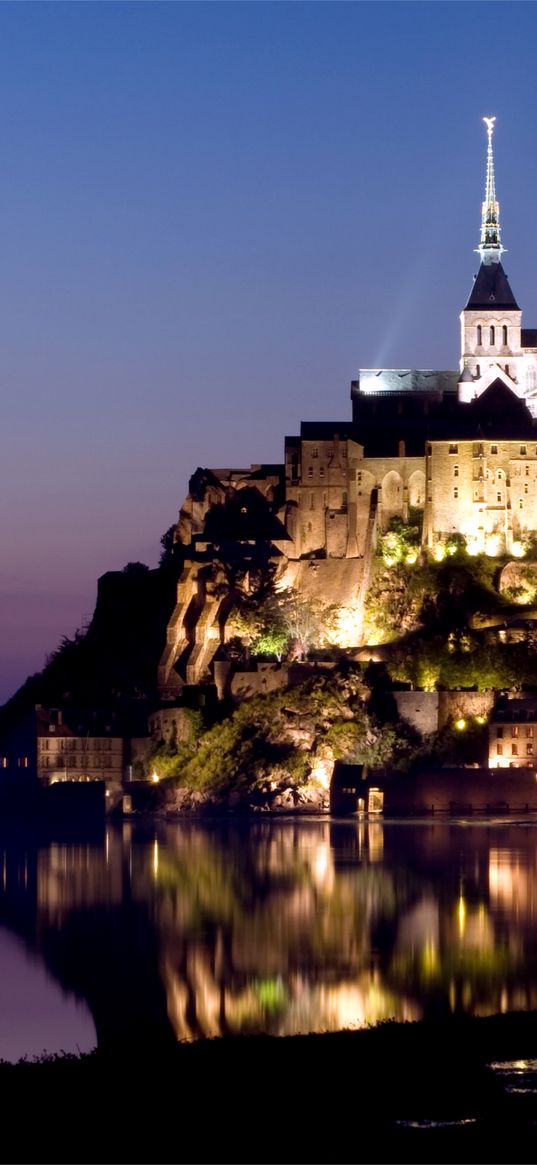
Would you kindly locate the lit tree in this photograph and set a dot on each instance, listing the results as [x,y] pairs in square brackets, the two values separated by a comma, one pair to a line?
[272,641]
[303,620]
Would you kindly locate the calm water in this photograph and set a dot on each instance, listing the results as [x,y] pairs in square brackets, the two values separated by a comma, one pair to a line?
[193,930]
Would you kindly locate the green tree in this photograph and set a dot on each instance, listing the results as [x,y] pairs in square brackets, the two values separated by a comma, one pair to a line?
[271,641]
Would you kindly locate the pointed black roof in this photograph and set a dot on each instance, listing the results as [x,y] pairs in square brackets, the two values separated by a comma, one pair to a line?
[491,290]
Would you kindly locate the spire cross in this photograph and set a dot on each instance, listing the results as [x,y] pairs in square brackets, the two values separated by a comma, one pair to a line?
[490,247]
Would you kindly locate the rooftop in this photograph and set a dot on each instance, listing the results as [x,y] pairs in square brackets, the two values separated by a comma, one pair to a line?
[404,380]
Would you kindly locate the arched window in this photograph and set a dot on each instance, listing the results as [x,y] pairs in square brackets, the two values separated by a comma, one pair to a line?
[493,335]
[504,336]
[531,378]
[479,335]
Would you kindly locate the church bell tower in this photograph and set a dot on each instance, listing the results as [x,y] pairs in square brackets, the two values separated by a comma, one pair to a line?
[491,321]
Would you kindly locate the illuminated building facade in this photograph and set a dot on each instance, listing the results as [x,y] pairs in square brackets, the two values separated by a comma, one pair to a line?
[513,734]
[457,449]
[55,746]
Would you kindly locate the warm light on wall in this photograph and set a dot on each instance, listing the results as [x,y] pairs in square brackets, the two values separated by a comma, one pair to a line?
[460,724]
[518,550]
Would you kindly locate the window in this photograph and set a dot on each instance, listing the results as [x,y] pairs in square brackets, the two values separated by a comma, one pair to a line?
[504,336]
[523,450]
[521,504]
[499,750]
[525,489]
[344,501]
[359,477]
[479,335]
[453,448]
[527,470]
[514,750]
[494,448]
[316,452]
[498,497]
[493,335]
[478,369]
[455,492]
[529,731]
[4,762]
[310,470]
[312,501]
[499,733]
[321,471]
[455,471]
[514,731]
[529,749]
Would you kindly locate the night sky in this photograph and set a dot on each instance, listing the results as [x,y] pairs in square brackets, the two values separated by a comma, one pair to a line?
[211,215]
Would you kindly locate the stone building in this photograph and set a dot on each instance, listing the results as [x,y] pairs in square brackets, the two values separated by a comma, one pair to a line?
[454,449]
[55,745]
[513,734]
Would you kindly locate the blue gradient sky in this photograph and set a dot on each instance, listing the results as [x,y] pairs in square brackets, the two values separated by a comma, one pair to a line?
[210,216]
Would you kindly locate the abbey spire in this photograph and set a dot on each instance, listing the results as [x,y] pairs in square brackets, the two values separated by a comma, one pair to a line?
[491,291]
[490,247]
[491,322]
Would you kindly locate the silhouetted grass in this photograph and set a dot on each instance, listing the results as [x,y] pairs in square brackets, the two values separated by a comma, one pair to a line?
[319,1098]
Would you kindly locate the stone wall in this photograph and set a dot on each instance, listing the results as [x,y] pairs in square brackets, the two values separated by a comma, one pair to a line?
[462,704]
[431,711]
[419,709]
[170,723]
[461,791]
[268,677]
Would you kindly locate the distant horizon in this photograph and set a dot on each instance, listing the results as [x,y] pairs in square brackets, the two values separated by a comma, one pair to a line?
[211,217]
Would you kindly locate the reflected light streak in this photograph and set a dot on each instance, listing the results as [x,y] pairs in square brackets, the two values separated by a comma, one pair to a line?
[461,915]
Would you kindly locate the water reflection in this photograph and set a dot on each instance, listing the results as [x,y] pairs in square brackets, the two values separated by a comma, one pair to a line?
[36,1017]
[193,930]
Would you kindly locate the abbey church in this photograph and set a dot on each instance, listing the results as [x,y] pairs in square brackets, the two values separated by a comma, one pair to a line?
[459,447]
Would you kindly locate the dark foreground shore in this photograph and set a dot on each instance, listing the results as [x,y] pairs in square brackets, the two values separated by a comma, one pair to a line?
[345,1097]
